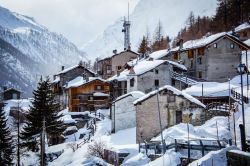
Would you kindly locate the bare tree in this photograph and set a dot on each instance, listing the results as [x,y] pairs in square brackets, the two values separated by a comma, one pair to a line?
[97,149]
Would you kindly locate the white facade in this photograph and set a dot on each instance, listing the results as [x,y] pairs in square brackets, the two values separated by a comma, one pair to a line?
[123,111]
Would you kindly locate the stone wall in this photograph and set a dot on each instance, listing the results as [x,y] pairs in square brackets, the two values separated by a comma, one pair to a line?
[147,119]
[238,158]
[123,116]
[121,59]
[146,81]
[222,61]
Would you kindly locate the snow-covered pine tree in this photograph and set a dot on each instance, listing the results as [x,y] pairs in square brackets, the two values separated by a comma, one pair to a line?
[6,146]
[44,106]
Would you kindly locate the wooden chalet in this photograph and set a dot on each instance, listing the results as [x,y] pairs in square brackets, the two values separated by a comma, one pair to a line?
[11,93]
[87,94]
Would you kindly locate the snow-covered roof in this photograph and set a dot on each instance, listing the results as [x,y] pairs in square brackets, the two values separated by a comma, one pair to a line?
[247,42]
[79,81]
[134,94]
[175,91]
[73,67]
[6,90]
[200,42]
[243,26]
[159,54]
[111,56]
[56,80]
[210,89]
[180,66]
[139,68]
[123,76]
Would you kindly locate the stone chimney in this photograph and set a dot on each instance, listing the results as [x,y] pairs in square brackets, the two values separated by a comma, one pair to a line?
[62,68]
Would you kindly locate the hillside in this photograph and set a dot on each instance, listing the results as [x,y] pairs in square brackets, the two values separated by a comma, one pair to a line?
[145,17]
[29,50]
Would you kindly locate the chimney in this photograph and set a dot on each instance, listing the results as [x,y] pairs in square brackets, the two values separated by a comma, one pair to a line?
[62,68]
[4,88]
[181,43]
[115,52]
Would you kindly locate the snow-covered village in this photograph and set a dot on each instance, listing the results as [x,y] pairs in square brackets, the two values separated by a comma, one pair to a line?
[125,82]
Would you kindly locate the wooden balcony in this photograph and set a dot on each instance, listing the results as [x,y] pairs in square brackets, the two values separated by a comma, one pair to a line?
[93,103]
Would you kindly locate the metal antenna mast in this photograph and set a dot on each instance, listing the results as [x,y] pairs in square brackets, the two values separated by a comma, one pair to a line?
[126,31]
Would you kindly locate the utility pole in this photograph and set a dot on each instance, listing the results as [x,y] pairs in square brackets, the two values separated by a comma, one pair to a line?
[159,115]
[202,93]
[43,144]
[229,103]
[243,130]
[247,73]
[18,134]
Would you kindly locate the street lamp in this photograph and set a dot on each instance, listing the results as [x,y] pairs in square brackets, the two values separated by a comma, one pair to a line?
[241,68]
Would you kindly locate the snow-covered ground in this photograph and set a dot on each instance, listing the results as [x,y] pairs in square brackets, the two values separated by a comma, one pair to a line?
[207,131]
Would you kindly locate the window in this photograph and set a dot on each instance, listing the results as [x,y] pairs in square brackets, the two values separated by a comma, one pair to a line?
[191,54]
[156,71]
[215,45]
[232,46]
[109,69]
[201,51]
[245,34]
[171,98]
[119,67]
[98,87]
[173,82]
[156,83]
[132,82]
[199,74]
[191,63]
[199,60]
[176,56]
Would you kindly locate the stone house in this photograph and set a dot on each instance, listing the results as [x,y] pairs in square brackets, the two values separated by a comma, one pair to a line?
[10,93]
[65,76]
[175,107]
[87,94]
[144,75]
[113,65]
[104,68]
[243,31]
[123,111]
[212,58]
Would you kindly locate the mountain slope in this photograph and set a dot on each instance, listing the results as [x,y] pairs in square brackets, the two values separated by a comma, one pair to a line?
[30,50]
[146,15]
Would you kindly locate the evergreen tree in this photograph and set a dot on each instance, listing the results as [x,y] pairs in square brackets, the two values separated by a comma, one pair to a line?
[144,47]
[44,107]
[6,147]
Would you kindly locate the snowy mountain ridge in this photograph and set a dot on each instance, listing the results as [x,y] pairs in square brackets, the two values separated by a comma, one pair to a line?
[44,51]
[145,17]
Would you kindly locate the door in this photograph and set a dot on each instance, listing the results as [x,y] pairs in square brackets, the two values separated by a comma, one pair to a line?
[178,117]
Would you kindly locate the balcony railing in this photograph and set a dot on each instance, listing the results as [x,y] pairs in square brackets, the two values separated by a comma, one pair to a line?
[76,102]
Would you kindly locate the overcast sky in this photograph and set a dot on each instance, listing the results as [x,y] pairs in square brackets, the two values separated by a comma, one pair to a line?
[78,20]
